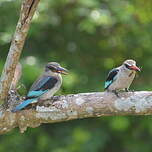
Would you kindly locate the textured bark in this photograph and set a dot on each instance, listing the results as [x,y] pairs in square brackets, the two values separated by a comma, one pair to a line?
[84,105]
[27,11]
[17,76]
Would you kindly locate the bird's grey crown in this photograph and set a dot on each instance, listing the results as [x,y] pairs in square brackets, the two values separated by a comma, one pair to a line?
[51,65]
[130,62]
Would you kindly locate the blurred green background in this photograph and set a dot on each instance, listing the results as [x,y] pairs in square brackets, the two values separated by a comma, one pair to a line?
[88,37]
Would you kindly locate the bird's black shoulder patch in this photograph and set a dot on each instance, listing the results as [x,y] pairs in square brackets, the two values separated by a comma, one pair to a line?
[110,78]
[112,74]
[44,83]
[50,83]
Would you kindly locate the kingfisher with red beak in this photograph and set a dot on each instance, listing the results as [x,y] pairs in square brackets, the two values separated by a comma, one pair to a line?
[45,86]
[120,78]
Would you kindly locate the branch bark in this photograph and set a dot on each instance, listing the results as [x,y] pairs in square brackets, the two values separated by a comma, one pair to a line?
[84,105]
[17,76]
[27,11]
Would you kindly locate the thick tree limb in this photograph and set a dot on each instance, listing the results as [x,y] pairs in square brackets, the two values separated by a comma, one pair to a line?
[77,106]
[27,11]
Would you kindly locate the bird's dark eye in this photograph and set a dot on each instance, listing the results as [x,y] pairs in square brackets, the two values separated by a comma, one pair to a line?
[127,66]
[52,69]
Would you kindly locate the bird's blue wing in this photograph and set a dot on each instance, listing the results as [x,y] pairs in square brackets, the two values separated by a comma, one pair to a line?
[42,85]
[111,77]
[34,94]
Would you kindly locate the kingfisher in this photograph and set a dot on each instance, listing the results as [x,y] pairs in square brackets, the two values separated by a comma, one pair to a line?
[45,86]
[120,78]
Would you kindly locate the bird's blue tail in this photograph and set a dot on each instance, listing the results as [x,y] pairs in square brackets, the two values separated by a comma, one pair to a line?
[23,104]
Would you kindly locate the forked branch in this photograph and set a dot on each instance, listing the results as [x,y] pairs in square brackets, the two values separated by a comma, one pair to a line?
[28,8]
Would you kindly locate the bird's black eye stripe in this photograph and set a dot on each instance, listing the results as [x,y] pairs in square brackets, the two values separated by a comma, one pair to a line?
[127,66]
[52,68]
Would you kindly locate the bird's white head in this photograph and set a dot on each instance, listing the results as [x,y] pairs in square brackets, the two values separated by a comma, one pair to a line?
[54,67]
[131,65]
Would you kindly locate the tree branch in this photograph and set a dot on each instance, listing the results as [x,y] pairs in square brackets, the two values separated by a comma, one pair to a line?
[17,76]
[27,11]
[77,106]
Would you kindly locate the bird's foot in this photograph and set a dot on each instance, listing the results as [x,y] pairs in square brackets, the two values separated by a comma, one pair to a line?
[45,101]
[127,90]
[116,93]
[132,91]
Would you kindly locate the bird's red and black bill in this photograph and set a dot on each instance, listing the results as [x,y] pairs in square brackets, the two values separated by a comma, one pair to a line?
[135,68]
[62,70]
